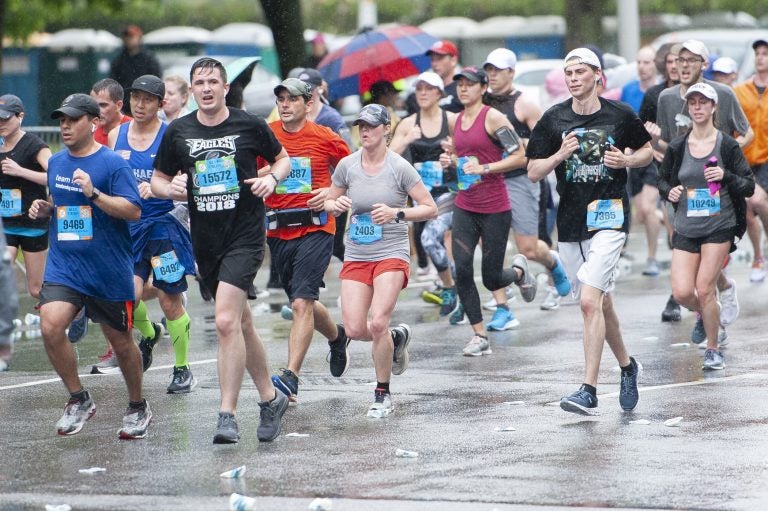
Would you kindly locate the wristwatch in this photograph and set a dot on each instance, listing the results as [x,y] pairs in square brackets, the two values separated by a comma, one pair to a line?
[400,216]
[486,168]
[95,194]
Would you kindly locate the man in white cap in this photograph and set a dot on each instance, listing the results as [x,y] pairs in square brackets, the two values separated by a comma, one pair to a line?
[751,96]
[583,139]
[725,70]
[673,120]
[523,114]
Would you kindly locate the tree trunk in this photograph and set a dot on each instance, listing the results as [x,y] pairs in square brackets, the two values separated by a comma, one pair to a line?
[285,20]
[584,22]
[3,8]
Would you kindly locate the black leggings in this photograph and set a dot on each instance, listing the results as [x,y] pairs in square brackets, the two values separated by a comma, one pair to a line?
[468,228]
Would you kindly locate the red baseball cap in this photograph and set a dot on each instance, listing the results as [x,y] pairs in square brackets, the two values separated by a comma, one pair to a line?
[444,48]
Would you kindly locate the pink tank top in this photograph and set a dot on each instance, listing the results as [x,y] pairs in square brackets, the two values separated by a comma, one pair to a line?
[489,195]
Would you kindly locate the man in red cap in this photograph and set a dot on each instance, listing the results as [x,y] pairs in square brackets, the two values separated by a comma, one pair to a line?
[444,58]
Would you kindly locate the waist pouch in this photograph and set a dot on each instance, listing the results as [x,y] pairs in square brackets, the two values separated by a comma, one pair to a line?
[298,217]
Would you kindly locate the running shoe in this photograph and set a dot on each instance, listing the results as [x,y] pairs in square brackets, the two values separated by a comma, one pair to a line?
[182,381]
[559,277]
[477,347]
[76,414]
[135,423]
[671,311]
[503,319]
[226,429]
[527,282]
[450,302]
[79,326]
[722,337]
[551,301]
[147,344]
[713,360]
[107,364]
[433,295]
[490,305]
[205,294]
[698,334]
[382,404]
[286,312]
[628,394]
[651,268]
[581,402]
[288,383]
[401,338]
[458,317]
[271,416]
[338,356]
[729,304]
[758,272]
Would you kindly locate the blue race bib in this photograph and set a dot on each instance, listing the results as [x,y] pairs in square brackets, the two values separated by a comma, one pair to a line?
[74,223]
[363,231]
[300,178]
[701,202]
[431,173]
[217,175]
[466,180]
[167,267]
[10,202]
[605,214]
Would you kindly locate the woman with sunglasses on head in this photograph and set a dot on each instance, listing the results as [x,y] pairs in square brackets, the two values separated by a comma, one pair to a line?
[705,176]
[374,184]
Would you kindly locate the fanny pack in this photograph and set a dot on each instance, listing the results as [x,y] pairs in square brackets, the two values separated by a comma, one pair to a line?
[297,217]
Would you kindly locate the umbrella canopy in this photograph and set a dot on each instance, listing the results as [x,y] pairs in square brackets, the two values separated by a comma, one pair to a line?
[381,54]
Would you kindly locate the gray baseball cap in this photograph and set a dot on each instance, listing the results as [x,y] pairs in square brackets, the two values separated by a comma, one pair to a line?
[10,105]
[295,87]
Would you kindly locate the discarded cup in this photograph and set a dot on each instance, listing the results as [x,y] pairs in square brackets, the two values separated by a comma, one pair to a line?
[514,403]
[320,505]
[92,470]
[298,435]
[17,323]
[505,428]
[679,345]
[673,422]
[239,502]
[31,319]
[58,507]
[402,453]
[234,473]
[640,422]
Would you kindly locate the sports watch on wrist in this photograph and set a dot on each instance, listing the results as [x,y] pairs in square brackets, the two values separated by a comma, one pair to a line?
[400,216]
[95,194]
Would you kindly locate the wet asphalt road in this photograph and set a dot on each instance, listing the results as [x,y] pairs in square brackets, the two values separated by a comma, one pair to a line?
[447,408]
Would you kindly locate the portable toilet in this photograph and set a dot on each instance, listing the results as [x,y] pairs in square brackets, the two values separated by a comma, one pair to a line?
[21,76]
[488,35]
[72,61]
[455,29]
[169,43]
[540,37]
[245,40]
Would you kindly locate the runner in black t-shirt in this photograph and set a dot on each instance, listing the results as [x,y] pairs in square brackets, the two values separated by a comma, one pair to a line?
[209,159]
[583,140]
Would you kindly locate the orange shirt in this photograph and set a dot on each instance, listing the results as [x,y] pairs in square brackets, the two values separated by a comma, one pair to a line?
[102,136]
[756,109]
[325,149]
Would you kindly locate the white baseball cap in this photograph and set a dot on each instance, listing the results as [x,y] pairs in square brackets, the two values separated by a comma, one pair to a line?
[582,56]
[430,78]
[704,89]
[725,65]
[697,48]
[502,58]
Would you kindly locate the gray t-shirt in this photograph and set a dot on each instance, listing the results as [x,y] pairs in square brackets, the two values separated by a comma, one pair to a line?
[674,120]
[691,176]
[364,241]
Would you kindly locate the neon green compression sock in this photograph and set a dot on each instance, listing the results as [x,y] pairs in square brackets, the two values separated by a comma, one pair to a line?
[141,320]
[179,332]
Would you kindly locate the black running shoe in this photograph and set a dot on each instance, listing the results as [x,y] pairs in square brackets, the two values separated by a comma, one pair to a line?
[672,311]
[147,344]
[338,357]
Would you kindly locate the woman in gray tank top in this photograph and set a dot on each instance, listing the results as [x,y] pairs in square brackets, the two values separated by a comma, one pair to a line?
[706,177]
[374,184]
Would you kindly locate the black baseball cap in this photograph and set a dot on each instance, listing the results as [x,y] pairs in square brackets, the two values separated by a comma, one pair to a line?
[75,106]
[150,84]
[472,74]
[311,76]
[10,105]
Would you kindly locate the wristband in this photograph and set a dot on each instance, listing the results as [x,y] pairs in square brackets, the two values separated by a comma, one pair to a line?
[277,181]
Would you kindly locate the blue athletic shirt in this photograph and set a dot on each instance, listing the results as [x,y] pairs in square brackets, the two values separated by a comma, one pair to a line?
[100,267]
[143,165]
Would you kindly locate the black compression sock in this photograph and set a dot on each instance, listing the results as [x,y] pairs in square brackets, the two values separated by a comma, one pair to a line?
[629,369]
[81,395]
[382,386]
[589,388]
[138,405]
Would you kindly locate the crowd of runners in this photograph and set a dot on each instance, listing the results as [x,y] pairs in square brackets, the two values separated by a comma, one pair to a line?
[135,204]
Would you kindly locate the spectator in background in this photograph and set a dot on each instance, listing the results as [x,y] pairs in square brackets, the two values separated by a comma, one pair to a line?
[176,97]
[385,93]
[444,57]
[725,70]
[632,93]
[134,61]
[319,51]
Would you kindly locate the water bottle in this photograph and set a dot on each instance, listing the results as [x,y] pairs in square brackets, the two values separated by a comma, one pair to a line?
[714,186]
